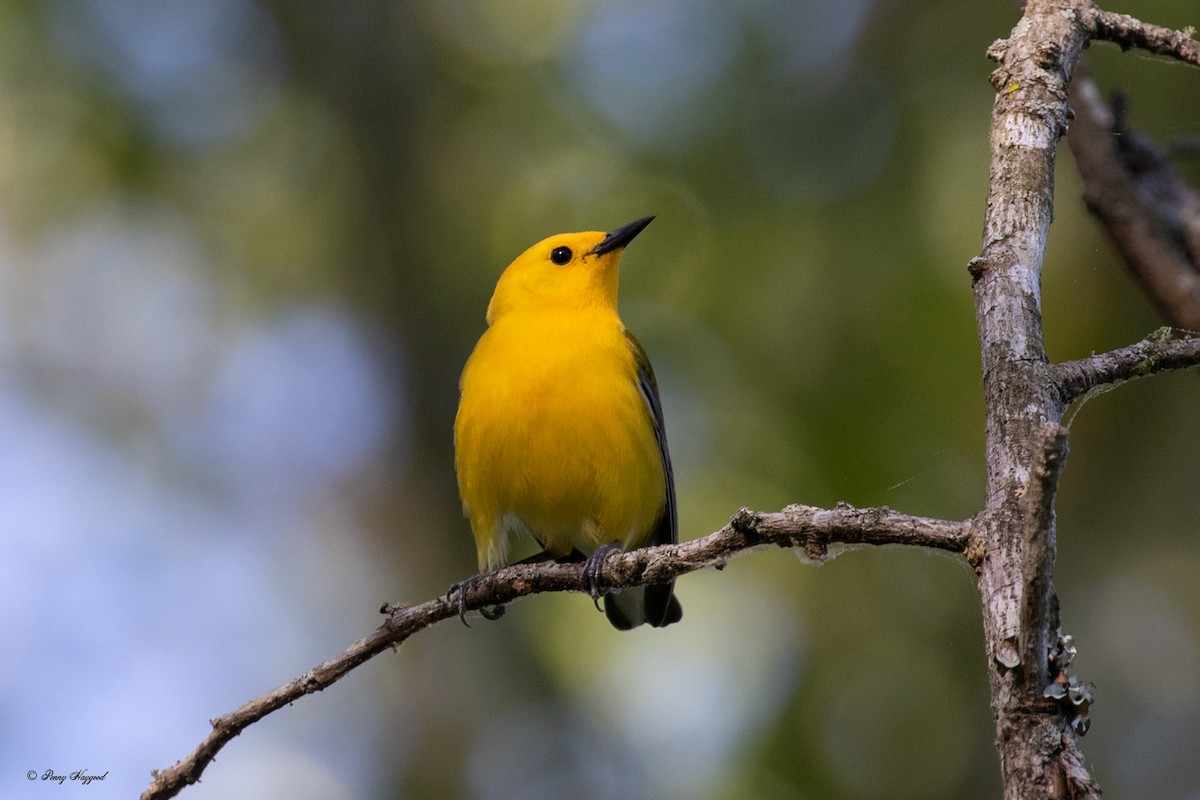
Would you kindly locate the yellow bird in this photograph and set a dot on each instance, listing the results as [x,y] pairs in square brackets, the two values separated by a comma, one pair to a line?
[559,434]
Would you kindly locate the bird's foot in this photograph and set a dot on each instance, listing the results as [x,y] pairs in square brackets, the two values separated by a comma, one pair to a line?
[590,578]
[462,588]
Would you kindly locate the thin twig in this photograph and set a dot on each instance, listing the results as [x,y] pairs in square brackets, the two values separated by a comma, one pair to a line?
[1127,32]
[1158,352]
[808,529]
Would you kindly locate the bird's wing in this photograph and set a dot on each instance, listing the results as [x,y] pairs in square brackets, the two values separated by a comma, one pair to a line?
[667,529]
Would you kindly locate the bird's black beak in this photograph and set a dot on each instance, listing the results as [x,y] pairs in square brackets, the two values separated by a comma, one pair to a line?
[620,237]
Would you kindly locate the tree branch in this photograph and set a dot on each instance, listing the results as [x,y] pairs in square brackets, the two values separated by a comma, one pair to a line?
[1026,396]
[1127,32]
[1025,444]
[1039,602]
[813,531]
[1158,352]
[1150,213]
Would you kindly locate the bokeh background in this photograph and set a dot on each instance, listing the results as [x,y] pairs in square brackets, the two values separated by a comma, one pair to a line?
[246,247]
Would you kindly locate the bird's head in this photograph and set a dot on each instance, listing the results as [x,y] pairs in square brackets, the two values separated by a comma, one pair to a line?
[567,271]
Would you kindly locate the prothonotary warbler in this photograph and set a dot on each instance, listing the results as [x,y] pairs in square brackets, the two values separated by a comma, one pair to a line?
[559,434]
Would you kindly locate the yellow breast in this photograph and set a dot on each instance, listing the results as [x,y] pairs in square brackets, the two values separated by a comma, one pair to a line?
[554,438]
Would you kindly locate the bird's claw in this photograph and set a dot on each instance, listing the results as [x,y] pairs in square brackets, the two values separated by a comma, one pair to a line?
[590,577]
[461,589]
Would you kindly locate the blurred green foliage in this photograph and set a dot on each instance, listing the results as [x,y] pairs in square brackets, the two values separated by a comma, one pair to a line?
[818,172]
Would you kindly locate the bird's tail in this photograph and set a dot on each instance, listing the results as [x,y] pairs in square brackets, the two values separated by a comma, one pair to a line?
[655,604]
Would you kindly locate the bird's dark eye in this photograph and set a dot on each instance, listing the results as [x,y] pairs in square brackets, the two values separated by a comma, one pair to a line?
[561,255]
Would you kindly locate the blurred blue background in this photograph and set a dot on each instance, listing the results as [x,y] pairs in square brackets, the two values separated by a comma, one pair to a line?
[245,249]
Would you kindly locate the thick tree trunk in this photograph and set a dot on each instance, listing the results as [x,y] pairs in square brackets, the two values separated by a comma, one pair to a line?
[1025,443]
